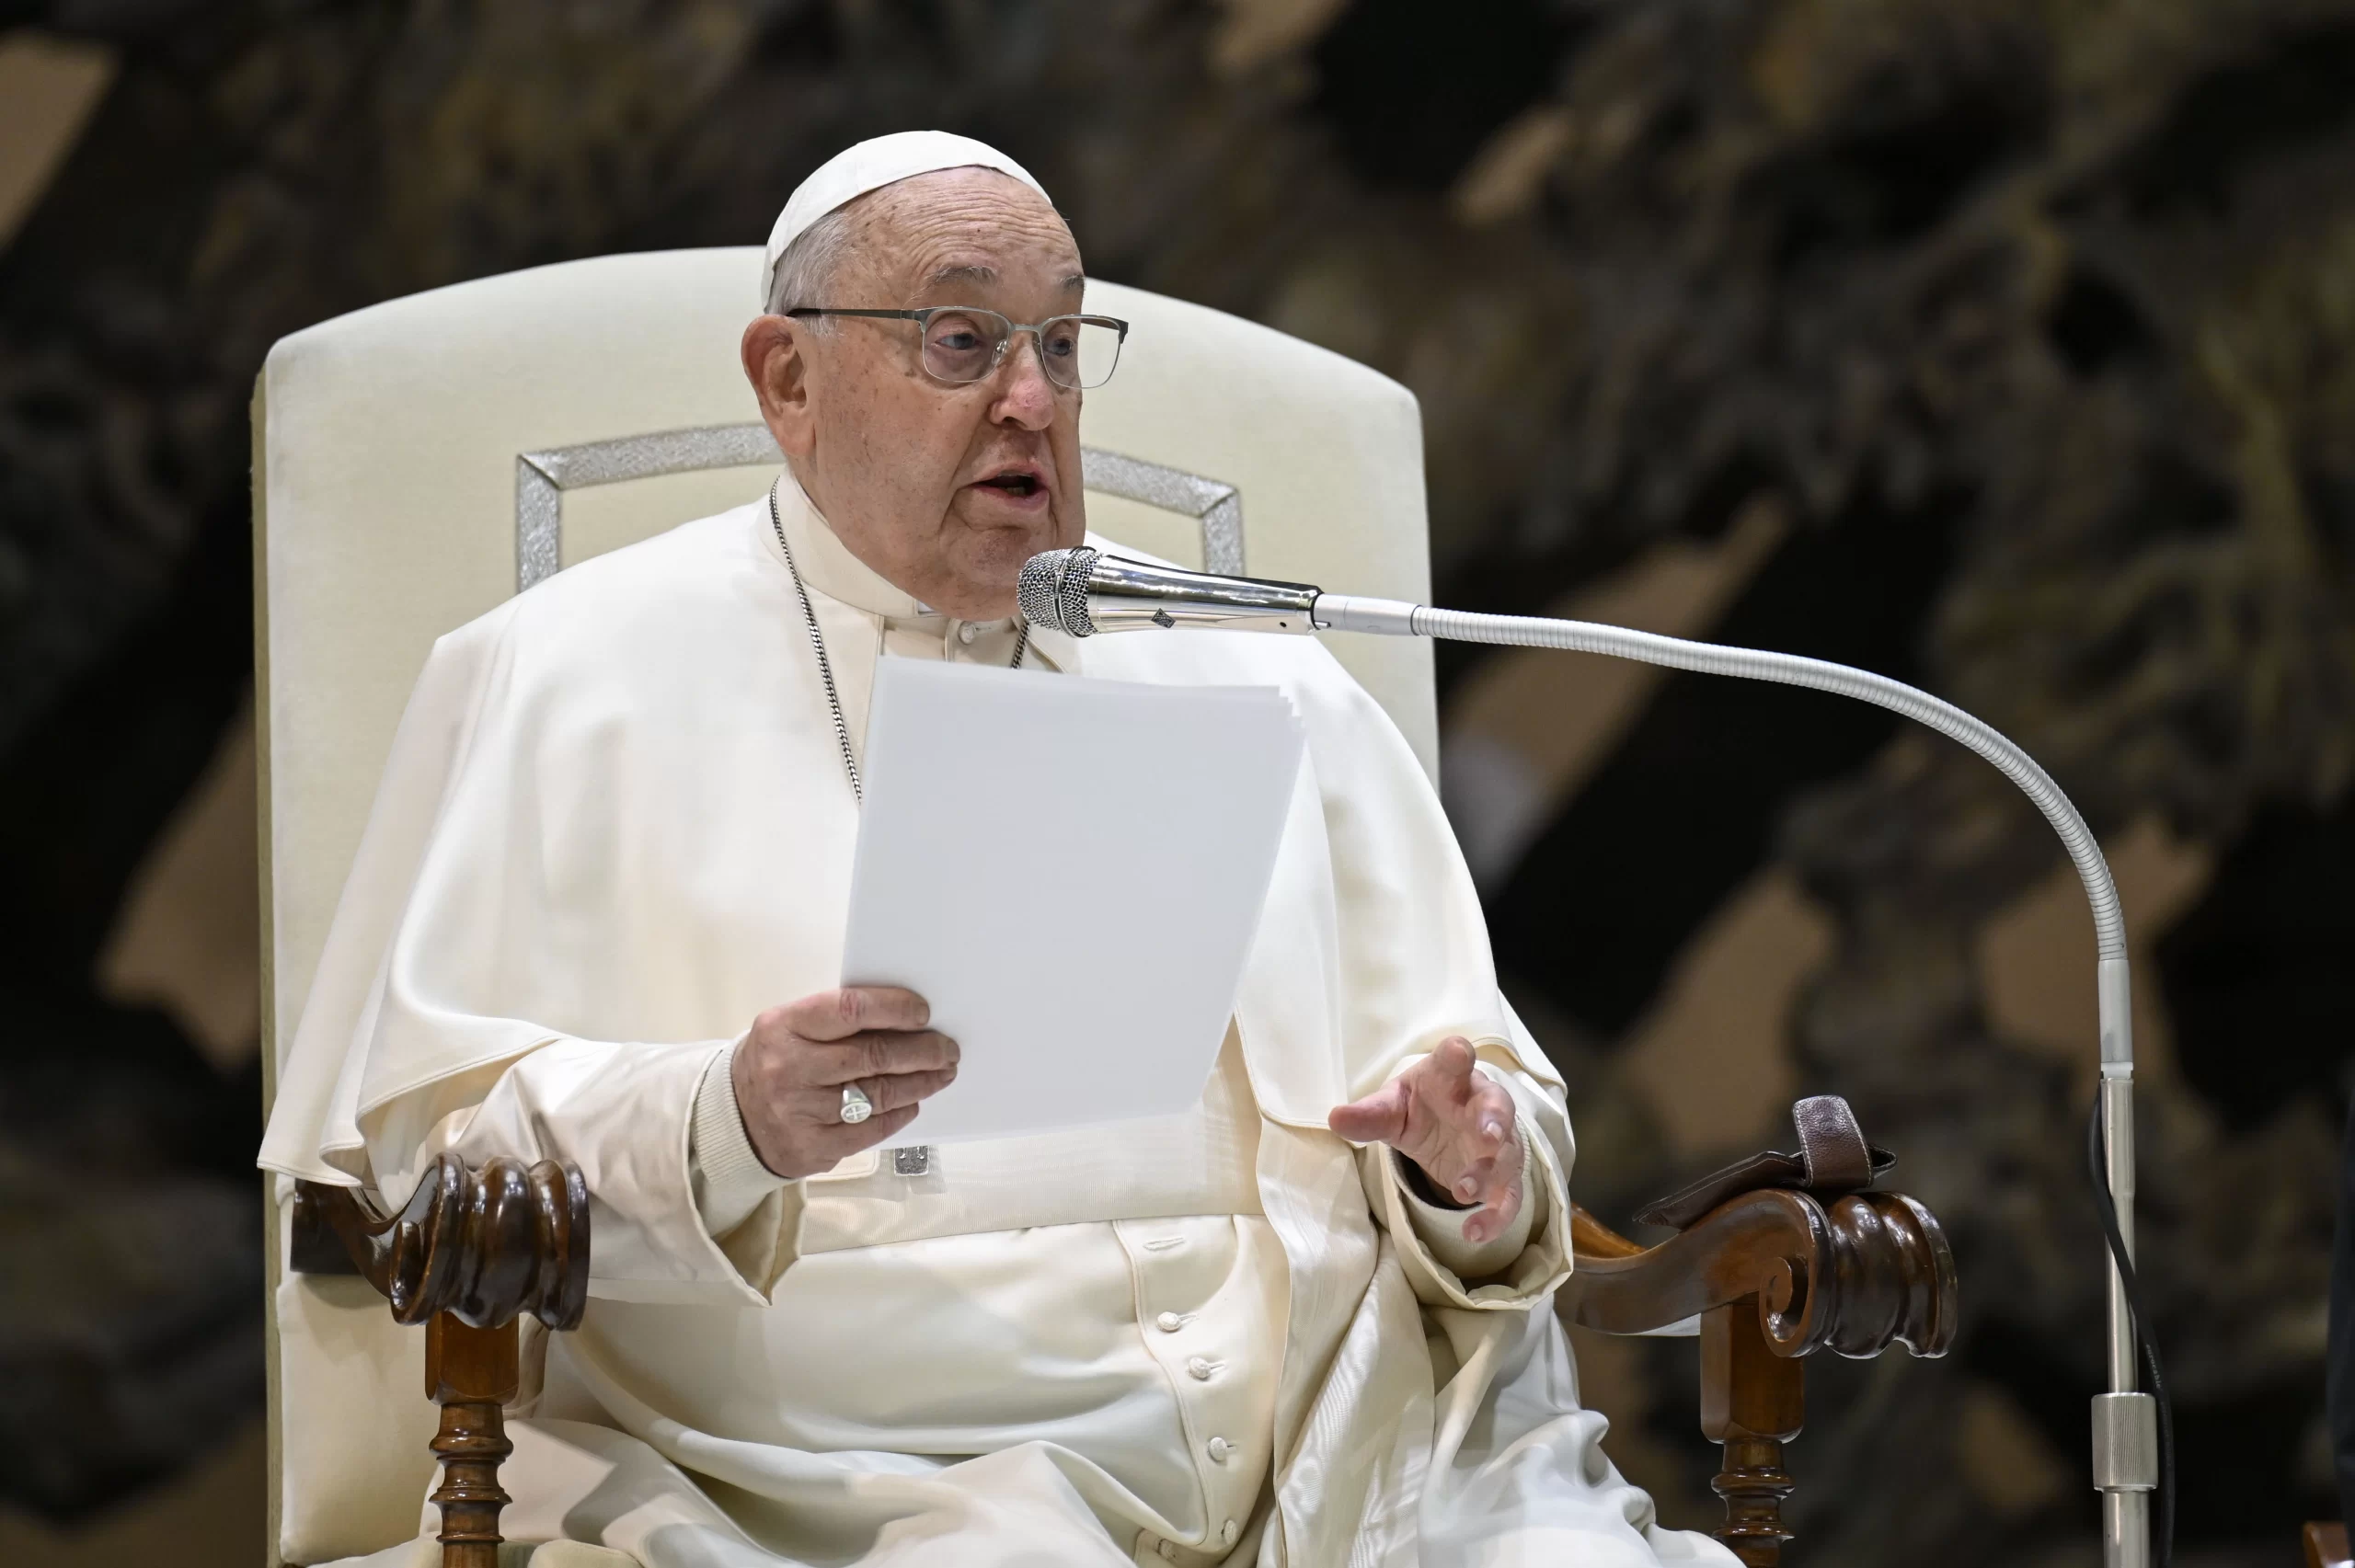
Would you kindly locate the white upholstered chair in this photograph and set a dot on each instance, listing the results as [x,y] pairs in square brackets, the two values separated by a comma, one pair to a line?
[418,462]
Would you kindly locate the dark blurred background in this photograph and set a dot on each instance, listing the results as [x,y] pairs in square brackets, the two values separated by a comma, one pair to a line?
[2006,347]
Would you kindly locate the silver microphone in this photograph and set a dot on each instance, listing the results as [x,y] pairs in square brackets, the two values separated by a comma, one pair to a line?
[1082,592]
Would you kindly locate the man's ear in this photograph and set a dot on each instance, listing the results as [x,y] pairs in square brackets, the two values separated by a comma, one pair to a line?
[778,368]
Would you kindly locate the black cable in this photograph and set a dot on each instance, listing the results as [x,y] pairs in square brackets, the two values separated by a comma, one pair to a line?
[2097,1161]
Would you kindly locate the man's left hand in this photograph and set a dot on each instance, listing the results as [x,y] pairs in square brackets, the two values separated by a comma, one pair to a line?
[1455,1122]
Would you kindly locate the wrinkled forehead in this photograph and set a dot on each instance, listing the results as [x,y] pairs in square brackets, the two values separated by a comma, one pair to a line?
[964,231]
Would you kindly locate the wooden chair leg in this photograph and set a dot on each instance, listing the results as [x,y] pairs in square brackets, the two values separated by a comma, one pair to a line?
[470,1373]
[1753,1402]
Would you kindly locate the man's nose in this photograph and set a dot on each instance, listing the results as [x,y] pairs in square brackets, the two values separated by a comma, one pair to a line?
[1024,395]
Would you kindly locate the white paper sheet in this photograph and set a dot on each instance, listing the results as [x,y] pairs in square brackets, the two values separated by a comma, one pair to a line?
[1070,871]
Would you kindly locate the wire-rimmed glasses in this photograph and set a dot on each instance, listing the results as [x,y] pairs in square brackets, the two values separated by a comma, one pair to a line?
[963,344]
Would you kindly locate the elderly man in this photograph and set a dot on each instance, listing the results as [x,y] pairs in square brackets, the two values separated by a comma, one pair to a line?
[598,916]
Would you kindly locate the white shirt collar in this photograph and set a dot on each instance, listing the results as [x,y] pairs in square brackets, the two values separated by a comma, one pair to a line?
[827,567]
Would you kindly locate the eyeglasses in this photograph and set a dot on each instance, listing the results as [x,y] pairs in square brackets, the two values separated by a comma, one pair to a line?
[962,345]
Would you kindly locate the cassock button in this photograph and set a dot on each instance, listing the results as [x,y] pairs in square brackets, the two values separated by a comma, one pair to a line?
[1228,1531]
[1170,1322]
[1218,1449]
[1168,1550]
[966,632]
[1203,1369]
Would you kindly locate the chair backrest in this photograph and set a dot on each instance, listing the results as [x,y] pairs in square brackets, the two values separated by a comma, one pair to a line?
[417,461]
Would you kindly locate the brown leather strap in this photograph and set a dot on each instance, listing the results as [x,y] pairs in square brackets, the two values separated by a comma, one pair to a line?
[1833,1161]
[1832,1146]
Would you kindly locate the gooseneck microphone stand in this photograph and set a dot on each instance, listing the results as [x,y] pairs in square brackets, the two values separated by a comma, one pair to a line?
[1082,592]
[2127,1452]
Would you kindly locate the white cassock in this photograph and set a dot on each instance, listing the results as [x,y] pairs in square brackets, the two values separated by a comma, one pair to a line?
[615,826]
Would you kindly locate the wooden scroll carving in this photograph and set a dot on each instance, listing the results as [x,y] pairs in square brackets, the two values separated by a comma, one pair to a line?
[1772,1276]
[470,1253]
[485,1245]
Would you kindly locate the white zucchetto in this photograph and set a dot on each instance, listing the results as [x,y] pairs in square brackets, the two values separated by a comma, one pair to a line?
[870,165]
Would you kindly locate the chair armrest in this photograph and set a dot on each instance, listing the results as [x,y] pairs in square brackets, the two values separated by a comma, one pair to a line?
[468,1254]
[484,1244]
[1773,1276]
[1857,1275]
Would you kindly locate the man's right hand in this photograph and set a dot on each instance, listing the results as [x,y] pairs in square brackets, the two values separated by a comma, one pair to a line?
[791,1070]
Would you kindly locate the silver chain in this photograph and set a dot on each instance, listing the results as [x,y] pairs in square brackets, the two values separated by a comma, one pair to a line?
[825,666]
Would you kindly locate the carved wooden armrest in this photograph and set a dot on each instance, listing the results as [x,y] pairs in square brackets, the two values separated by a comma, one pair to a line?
[468,1254]
[1773,1276]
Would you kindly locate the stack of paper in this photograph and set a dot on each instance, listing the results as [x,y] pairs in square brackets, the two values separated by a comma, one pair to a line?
[1070,871]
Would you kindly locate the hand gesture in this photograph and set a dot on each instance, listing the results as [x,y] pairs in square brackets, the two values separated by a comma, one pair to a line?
[791,1069]
[1455,1122]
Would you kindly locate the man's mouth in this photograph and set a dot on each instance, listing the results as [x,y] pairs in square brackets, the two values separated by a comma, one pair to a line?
[1018,483]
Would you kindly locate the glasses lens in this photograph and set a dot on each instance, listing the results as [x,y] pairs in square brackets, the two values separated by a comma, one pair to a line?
[1089,349]
[962,345]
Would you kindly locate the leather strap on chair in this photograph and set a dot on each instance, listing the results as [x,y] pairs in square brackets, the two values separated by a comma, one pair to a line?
[1832,1146]
[1833,1159]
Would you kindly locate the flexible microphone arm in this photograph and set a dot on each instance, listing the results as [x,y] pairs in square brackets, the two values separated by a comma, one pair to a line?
[1081,591]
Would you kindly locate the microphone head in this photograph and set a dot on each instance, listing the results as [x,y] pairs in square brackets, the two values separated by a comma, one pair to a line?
[1053,590]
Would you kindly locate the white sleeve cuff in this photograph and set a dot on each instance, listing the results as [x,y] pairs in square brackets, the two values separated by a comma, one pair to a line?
[728,1179]
[1443,1269]
[1441,1230]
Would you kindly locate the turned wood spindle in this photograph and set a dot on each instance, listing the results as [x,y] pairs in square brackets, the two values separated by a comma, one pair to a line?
[470,1373]
[472,1249]
[1753,1402]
